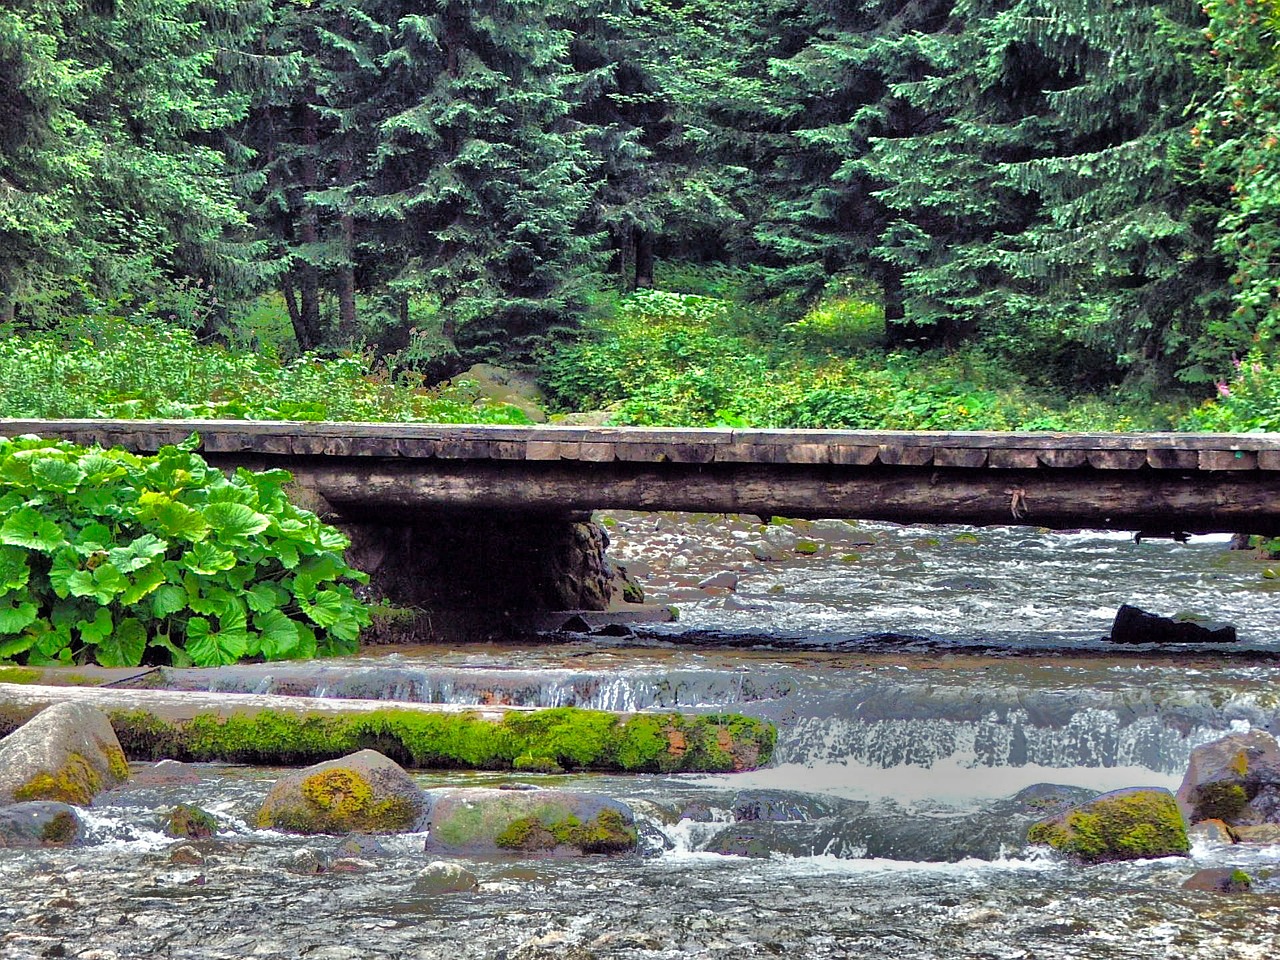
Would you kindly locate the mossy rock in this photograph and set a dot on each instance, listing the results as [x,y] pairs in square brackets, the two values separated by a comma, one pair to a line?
[479,821]
[361,793]
[1233,780]
[39,824]
[1219,880]
[66,753]
[190,823]
[1131,824]
[570,737]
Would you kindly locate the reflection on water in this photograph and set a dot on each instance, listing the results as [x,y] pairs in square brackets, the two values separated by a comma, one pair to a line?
[894,782]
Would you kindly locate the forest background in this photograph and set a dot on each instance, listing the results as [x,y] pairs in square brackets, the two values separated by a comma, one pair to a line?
[892,213]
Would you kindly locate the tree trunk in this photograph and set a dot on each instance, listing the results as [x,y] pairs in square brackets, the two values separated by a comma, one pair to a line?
[309,225]
[644,259]
[627,259]
[347,272]
[300,332]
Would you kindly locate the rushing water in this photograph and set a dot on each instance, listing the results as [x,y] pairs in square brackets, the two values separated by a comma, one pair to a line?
[919,678]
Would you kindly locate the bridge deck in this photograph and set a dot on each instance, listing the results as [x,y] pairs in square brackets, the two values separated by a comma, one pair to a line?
[965,450]
[407,473]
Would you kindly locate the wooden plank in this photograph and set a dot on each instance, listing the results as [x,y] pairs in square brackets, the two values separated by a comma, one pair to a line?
[893,455]
[737,453]
[1013,459]
[853,456]
[1058,459]
[507,449]
[1269,459]
[1228,460]
[597,452]
[1117,459]
[1170,459]
[806,453]
[665,452]
[460,449]
[543,450]
[969,457]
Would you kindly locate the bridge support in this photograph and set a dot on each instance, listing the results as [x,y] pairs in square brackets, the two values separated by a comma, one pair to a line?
[473,574]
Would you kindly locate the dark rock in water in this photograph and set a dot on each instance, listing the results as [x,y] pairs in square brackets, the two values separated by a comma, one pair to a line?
[442,877]
[481,821]
[307,862]
[784,806]
[576,624]
[67,752]
[361,793]
[1130,824]
[1235,779]
[40,823]
[615,630]
[1133,625]
[189,822]
[187,855]
[1219,880]
[360,845]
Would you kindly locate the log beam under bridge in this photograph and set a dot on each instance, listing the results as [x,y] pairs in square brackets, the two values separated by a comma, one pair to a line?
[1195,483]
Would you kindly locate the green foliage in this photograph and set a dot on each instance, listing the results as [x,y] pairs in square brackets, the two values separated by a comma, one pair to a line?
[682,360]
[134,368]
[1249,402]
[111,558]
[1238,133]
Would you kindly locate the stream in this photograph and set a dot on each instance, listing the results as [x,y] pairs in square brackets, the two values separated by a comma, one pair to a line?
[923,680]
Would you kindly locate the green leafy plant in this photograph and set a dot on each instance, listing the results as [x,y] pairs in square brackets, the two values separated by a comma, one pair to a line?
[117,559]
[140,367]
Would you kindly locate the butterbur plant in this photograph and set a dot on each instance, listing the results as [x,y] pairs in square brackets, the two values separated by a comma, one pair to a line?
[111,558]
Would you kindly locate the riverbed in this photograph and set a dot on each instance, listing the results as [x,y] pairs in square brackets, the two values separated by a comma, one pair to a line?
[920,678]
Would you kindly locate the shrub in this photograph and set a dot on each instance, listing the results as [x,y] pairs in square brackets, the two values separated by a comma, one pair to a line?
[144,368]
[111,558]
[1250,402]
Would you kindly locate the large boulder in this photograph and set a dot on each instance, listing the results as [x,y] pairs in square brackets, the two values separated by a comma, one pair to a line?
[40,823]
[479,821]
[67,753]
[1133,625]
[1127,824]
[1235,780]
[361,793]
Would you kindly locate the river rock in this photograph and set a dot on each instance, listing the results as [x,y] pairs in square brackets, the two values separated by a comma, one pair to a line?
[67,752]
[189,823]
[724,580]
[442,877]
[1133,625]
[39,823]
[1219,880]
[1211,831]
[1235,779]
[361,793]
[1130,824]
[480,821]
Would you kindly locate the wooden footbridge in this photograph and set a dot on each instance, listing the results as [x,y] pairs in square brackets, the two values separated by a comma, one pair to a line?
[1160,482]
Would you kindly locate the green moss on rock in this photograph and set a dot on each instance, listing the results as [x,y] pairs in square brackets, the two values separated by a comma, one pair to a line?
[75,782]
[606,833]
[62,828]
[1124,825]
[568,737]
[191,823]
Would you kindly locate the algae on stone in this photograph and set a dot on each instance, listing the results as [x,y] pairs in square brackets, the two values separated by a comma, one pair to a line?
[361,793]
[66,753]
[1122,825]
[567,737]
